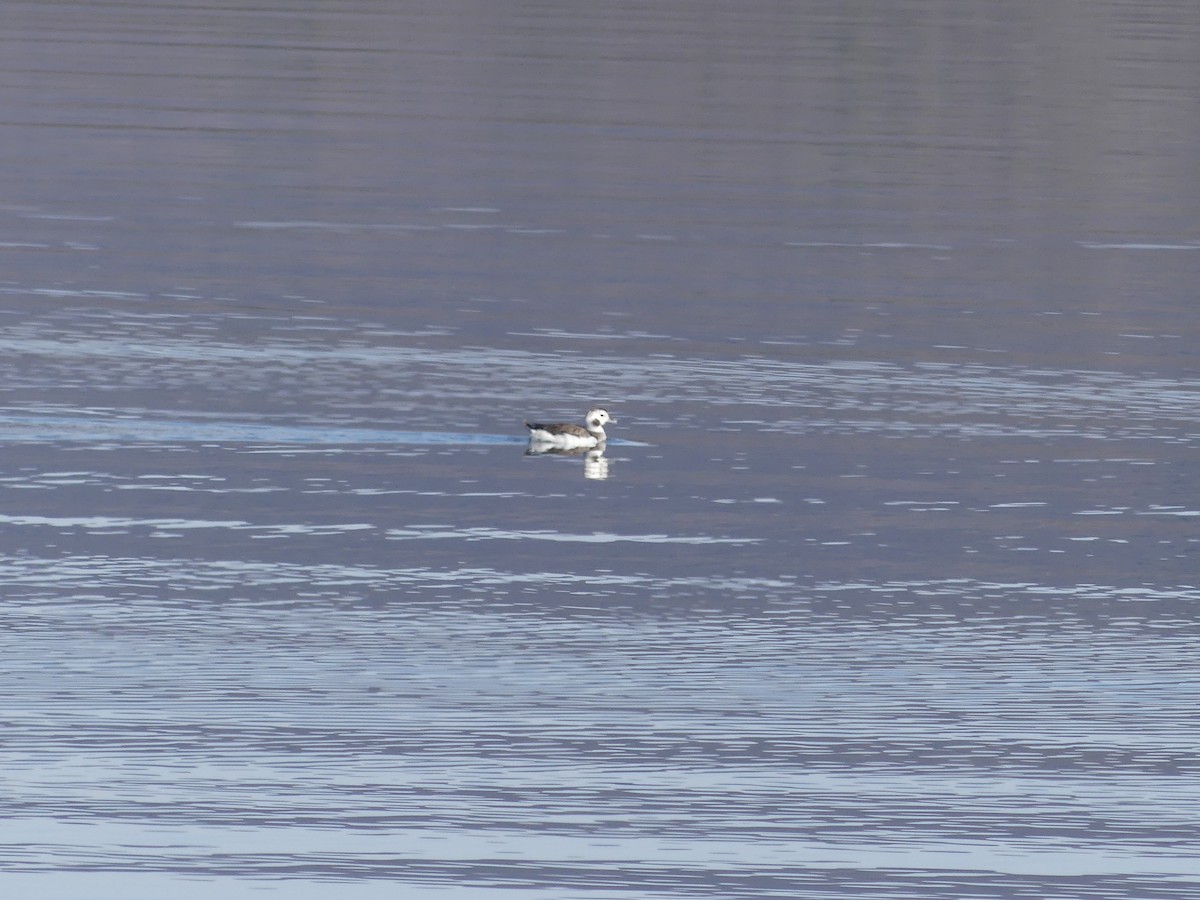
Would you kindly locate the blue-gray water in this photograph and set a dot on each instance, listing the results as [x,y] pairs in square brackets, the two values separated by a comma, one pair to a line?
[887,586]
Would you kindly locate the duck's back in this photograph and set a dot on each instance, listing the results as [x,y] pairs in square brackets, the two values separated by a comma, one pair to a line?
[559,429]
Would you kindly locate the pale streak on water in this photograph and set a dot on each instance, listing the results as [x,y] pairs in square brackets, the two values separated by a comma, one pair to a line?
[890,590]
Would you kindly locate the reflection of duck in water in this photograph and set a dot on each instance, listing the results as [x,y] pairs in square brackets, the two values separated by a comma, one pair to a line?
[595,464]
[565,436]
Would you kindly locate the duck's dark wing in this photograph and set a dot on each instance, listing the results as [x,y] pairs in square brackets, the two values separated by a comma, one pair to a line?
[558,428]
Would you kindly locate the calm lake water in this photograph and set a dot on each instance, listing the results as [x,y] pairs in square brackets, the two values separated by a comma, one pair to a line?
[886,586]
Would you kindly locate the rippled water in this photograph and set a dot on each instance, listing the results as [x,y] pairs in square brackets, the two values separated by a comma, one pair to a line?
[885,585]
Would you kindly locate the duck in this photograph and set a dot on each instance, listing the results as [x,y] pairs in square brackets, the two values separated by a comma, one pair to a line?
[565,436]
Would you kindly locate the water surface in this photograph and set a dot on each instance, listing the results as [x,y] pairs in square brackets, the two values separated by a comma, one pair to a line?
[885,586]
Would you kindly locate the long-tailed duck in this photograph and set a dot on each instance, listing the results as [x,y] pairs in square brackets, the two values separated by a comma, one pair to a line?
[570,437]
